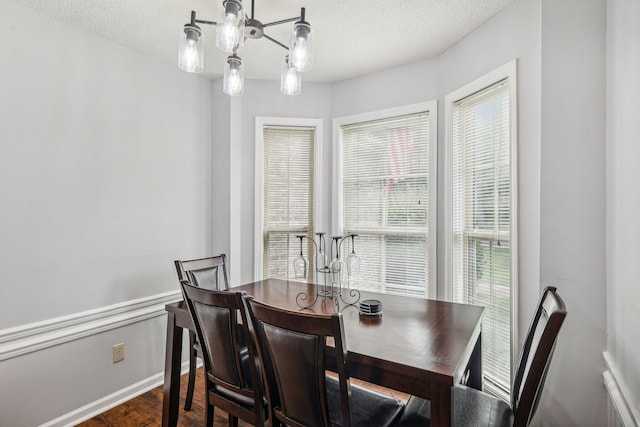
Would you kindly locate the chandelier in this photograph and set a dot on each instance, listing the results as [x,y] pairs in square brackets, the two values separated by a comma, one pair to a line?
[231,32]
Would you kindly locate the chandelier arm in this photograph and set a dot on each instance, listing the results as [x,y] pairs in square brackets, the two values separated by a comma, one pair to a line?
[284,21]
[275,41]
[199,21]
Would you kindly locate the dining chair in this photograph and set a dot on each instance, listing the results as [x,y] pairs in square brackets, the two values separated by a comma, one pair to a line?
[471,407]
[208,273]
[292,349]
[232,381]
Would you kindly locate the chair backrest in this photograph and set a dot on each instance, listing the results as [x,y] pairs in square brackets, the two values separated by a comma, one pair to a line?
[215,316]
[208,273]
[535,356]
[291,347]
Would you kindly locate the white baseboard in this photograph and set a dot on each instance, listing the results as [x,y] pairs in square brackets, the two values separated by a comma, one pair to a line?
[114,399]
[36,336]
[627,411]
[25,339]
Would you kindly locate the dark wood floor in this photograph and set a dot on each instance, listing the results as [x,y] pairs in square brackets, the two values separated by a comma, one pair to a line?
[146,409]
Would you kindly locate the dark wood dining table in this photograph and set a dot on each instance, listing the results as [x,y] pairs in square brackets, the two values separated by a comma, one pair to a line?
[418,346]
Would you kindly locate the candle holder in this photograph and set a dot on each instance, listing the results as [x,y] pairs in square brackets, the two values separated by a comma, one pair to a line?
[328,277]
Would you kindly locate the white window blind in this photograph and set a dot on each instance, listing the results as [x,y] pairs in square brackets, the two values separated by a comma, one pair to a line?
[385,201]
[289,190]
[481,222]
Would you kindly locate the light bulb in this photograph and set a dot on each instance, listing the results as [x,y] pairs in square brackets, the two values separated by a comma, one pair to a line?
[230,29]
[229,36]
[290,80]
[233,83]
[299,57]
[300,47]
[190,58]
[190,55]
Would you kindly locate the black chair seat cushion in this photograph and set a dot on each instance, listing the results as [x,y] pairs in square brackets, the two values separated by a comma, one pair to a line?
[472,408]
[368,408]
[417,413]
[475,408]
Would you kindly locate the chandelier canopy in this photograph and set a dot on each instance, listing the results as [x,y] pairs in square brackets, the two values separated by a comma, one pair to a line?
[231,32]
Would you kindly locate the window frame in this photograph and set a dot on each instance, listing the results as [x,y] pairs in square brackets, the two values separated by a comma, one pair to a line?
[337,219]
[506,71]
[260,123]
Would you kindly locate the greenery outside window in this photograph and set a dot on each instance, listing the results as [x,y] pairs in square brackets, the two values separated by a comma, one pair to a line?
[481,236]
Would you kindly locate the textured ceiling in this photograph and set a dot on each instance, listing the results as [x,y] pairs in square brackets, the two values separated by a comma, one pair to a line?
[350,37]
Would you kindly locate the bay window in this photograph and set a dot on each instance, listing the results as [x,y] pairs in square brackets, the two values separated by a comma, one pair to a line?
[481,227]
[286,187]
[384,193]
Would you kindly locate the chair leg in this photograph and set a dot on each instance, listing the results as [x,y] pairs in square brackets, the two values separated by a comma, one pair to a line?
[210,415]
[192,372]
[233,421]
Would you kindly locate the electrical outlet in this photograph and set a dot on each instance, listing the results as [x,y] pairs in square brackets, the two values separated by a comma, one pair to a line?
[118,352]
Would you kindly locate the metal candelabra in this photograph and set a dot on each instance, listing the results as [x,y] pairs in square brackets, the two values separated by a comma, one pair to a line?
[328,276]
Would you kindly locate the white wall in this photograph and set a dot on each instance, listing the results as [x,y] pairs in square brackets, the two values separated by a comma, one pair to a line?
[623,204]
[105,179]
[221,171]
[404,85]
[572,205]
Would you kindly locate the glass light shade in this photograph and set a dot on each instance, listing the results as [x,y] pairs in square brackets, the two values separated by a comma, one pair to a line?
[290,80]
[300,47]
[233,83]
[190,54]
[230,29]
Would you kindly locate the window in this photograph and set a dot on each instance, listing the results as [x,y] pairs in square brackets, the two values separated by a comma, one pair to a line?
[285,192]
[481,255]
[385,186]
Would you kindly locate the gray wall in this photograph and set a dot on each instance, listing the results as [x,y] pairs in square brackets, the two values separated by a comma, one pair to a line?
[221,170]
[623,197]
[105,179]
[105,169]
[572,203]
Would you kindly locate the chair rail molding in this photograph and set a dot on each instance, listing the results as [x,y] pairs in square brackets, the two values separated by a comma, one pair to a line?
[624,403]
[24,339]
